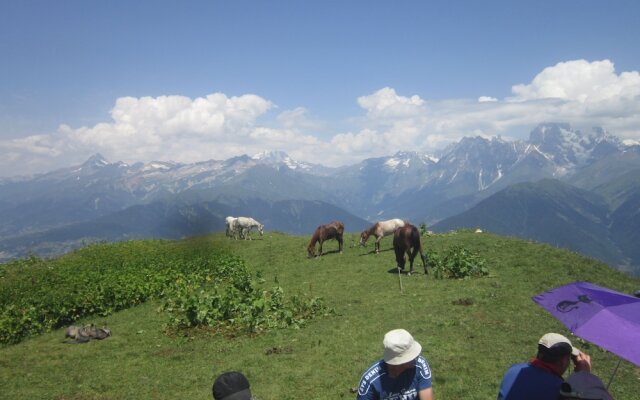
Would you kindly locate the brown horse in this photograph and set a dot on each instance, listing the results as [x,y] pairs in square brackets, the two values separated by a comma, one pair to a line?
[407,240]
[333,230]
[380,229]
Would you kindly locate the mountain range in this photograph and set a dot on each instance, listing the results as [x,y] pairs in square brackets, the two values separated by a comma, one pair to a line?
[569,188]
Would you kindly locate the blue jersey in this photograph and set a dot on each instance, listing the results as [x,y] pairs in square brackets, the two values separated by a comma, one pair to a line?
[528,382]
[376,384]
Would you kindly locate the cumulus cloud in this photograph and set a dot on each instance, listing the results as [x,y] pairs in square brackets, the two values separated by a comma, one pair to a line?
[174,128]
[486,99]
[580,81]
[216,126]
[580,92]
[385,103]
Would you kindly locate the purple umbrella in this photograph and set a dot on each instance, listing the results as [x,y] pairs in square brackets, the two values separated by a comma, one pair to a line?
[602,316]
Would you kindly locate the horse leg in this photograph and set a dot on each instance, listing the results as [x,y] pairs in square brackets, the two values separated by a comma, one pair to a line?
[399,258]
[412,256]
[377,246]
[340,244]
[320,248]
[424,261]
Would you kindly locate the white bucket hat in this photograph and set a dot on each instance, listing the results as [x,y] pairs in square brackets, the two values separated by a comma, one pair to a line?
[400,347]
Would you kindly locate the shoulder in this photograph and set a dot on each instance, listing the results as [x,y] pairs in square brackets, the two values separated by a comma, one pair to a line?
[525,381]
[370,377]
[518,367]
[422,367]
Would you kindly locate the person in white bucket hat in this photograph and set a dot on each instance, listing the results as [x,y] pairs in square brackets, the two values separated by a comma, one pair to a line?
[402,373]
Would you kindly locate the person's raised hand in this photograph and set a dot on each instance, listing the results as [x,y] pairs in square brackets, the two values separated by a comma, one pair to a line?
[582,362]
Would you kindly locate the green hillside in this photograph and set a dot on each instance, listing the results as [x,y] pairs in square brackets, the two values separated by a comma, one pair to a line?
[549,211]
[471,330]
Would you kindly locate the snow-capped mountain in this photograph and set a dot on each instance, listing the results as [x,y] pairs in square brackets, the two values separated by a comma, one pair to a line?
[570,149]
[280,158]
[409,185]
[471,166]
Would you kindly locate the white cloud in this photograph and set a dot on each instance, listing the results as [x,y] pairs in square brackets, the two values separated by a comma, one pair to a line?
[580,81]
[182,129]
[486,99]
[385,103]
[582,93]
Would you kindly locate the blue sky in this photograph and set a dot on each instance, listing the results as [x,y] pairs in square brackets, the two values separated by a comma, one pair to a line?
[330,82]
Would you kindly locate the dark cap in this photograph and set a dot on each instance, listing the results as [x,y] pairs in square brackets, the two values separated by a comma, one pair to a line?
[556,344]
[231,386]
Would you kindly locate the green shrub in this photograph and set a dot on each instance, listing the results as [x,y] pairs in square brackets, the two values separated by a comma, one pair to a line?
[205,288]
[423,229]
[234,305]
[40,295]
[456,263]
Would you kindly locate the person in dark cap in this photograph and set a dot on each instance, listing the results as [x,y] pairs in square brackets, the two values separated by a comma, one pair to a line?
[231,386]
[541,378]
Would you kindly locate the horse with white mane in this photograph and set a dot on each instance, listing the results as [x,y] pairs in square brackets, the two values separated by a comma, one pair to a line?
[245,224]
[380,229]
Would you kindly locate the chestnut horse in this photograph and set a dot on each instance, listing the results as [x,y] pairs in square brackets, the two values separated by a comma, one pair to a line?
[333,230]
[407,240]
[380,229]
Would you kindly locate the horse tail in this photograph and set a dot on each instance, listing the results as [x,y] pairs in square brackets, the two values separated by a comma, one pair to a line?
[417,247]
[415,237]
[399,247]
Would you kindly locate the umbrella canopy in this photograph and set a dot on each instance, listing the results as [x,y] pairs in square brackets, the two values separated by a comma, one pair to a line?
[602,316]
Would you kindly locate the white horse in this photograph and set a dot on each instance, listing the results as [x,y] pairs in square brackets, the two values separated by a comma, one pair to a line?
[245,224]
[381,229]
[230,222]
[233,229]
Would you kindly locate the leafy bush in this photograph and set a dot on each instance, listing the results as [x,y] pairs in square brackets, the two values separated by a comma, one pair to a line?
[423,229]
[205,288]
[456,263]
[38,295]
[231,308]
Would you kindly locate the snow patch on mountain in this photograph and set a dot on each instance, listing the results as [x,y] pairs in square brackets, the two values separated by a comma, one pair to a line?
[407,159]
[157,165]
[280,158]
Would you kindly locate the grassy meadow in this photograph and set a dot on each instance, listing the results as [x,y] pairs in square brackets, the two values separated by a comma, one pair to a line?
[471,330]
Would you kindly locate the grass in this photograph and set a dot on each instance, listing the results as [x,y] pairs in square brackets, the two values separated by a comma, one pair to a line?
[470,330]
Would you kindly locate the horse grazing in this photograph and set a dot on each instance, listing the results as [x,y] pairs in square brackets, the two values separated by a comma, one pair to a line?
[333,230]
[407,240]
[380,229]
[244,225]
[230,223]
